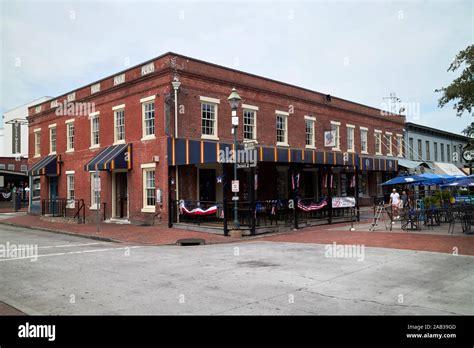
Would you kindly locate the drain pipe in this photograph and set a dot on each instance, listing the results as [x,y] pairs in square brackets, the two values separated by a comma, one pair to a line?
[176,84]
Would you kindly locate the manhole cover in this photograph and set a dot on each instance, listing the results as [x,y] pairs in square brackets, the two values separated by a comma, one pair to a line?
[190,241]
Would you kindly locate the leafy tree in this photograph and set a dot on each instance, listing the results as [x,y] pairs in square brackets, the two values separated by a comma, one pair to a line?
[461,90]
[469,130]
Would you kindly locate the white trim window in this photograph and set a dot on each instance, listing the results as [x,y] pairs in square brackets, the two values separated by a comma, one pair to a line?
[70,136]
[378,141]
[208,120]
[350,138]
[310,132]
[399,145]
[119,126]
[388,137]
[335,127]
[149,188]
[37,133]
[250,124]
[363,140]
[95,194]
[11,167]
[71,195]
[95,130]
[52,139]
[282,128]
[148,117]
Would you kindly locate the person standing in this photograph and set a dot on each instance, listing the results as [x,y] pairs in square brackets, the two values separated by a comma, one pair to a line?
[395,201]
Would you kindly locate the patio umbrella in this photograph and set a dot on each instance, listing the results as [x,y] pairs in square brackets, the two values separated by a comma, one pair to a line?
[463,182]
[435,179]
[405,179]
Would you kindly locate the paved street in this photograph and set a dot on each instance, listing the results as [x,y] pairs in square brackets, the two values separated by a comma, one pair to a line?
[75,275]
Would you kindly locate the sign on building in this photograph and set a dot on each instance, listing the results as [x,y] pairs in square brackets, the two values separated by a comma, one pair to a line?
[235,185]
[16,137]
[330,138]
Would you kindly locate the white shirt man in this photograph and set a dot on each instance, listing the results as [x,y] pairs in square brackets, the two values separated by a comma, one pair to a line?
[395,201]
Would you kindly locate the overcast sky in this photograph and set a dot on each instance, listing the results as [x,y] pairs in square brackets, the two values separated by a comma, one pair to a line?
[356,50]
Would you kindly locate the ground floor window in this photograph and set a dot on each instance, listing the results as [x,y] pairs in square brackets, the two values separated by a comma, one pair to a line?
[95,190]
[363,185]
[149,190]
[70,190]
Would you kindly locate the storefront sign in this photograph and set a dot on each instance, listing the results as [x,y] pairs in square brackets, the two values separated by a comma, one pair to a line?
[16,137]
[343,202]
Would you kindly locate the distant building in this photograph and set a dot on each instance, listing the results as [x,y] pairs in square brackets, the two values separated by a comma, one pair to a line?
[15,126]
[436,150]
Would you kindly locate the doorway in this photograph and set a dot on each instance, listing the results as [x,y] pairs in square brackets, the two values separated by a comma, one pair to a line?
[53,195]
[120,195]
[207,185]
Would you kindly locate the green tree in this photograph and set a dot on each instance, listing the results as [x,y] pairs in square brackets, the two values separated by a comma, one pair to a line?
[461,90]
[469,130]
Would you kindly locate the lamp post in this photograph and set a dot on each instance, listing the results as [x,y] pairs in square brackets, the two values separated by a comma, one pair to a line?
[234,100]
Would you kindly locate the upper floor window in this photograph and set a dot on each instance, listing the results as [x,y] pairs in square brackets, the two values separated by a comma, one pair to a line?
[335,128]
[388,137]
[37,144]
[70,135]
[95,129]
[350,138]
[119,121]
[52,138]
[399,145]
[363,140]
[24,168]
[435,148]
[310,132]
[442,152]
[282,128]
[208,118]
[411,147]
[420,150]
[448,153]
[428,152]
[378,142]
[148,117]
[250,127]
[11,167]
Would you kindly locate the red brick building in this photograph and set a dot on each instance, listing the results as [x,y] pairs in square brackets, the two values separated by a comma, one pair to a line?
[123,126]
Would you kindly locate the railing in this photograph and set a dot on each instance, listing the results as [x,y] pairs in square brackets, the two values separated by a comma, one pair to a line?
[55,207]
[81,209]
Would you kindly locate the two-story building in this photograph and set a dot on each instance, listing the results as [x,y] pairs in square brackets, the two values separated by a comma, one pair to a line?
[439,150]
[154,143]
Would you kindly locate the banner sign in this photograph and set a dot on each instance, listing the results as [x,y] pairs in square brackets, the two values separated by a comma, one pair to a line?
[330,138]
[16,137]
[343,202]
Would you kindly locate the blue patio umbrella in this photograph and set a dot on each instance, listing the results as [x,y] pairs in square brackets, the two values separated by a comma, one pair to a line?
[462,182]
[435,179]
[405,179]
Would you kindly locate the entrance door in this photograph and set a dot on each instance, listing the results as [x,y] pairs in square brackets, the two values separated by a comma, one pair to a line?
[121,195]
[53,194]
[207,185]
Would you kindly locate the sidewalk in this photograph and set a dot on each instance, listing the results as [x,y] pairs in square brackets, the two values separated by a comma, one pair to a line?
[397,239]
[142,235]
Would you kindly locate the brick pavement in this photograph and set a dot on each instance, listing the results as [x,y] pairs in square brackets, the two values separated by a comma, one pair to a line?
[327,234]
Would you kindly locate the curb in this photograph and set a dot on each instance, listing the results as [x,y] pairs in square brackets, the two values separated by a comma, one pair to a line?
[104,239]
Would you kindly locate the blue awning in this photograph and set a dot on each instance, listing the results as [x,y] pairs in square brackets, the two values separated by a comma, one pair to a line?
[110,158]
[49,165]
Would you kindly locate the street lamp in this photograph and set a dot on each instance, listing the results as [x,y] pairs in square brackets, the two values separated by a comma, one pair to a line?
[234,100]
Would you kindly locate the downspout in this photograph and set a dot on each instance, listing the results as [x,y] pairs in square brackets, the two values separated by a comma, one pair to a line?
[176,84]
